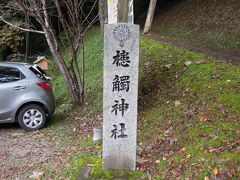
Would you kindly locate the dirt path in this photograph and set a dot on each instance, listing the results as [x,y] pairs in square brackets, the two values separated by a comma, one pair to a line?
[232,56]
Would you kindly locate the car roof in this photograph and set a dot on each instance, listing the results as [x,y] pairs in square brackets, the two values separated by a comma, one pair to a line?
[15,64]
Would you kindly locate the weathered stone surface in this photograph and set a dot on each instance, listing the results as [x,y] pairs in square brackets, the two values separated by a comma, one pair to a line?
[84,172]
[119,147]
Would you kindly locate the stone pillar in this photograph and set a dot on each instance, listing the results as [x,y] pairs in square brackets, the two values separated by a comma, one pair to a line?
[121,62]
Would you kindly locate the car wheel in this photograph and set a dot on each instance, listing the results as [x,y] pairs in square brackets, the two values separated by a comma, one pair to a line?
[32,117]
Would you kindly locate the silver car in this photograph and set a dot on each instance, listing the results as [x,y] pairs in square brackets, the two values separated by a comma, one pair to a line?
[26,95]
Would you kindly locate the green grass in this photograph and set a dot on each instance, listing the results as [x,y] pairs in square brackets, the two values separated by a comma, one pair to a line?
[93,73]
[206,119]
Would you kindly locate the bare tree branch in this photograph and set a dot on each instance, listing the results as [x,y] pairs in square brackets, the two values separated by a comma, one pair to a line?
[20,28]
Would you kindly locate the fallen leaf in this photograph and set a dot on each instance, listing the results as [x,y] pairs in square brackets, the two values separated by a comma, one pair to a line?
[142,161]
[30,165]
[188,156]
[177,103]
[238,130]
[206,178]
[59,153]
[157,161]
[221,108]
[90,165]
[217,150]
[215,170]
[203,118]
[142,113]
[36,175]
[200,62]
[17,134]
[172,140]
[168,66]
[168,131]
[187,63]
[177,75]
[183,149]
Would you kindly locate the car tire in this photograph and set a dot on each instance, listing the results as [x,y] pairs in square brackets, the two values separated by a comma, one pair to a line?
[31,117]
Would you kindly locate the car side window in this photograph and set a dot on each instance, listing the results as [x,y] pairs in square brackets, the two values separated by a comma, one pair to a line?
[10,74]
[39,72]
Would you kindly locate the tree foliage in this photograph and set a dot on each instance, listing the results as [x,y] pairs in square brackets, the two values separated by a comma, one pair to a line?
[10,38]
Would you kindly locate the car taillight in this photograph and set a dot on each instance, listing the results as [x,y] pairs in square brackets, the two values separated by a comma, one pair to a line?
[45,86]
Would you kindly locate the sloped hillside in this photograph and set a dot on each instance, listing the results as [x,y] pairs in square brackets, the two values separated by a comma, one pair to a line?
[206,22]
[188,116]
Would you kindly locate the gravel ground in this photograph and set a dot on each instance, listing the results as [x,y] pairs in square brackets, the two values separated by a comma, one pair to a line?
[24,153]
[44,153]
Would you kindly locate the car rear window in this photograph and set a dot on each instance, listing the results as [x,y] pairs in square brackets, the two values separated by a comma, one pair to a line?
[39,72]
[10,74]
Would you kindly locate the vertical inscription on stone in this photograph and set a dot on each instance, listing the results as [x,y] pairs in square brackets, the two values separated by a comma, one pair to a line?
[121,61]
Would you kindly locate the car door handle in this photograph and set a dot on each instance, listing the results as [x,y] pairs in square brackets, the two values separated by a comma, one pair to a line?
[19,87]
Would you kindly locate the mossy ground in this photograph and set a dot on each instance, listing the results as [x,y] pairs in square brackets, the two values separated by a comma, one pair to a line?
[188,120]
[204,122]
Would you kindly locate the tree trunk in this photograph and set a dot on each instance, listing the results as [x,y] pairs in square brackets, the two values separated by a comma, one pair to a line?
[71,84]
[120,11]
[150,15]
[76,84]
[123,11]
[27,38]
[103,13]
